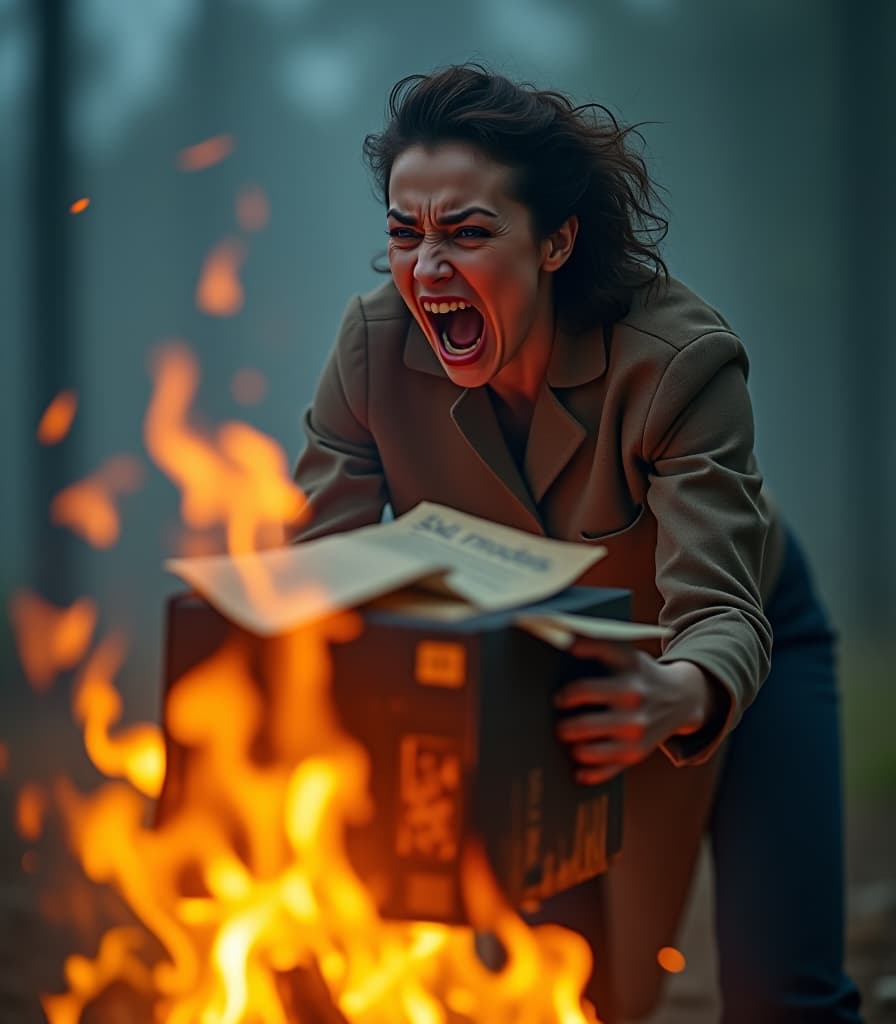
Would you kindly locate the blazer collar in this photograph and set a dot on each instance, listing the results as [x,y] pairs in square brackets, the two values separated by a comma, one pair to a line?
[555,433]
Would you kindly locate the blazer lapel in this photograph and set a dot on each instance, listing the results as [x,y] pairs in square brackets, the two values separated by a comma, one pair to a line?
[475,419]
[554,437]
[474,416]
[556,434]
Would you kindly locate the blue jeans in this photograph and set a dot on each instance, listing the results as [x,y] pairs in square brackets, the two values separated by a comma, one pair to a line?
[777,827]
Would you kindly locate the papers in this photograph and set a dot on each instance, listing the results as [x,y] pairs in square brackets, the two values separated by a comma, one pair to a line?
[476,564]
[561,629]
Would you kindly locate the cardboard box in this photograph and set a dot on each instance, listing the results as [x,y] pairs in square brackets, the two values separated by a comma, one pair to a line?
[458,722]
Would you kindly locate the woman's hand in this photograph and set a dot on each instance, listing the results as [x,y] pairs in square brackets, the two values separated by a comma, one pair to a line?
[621,718]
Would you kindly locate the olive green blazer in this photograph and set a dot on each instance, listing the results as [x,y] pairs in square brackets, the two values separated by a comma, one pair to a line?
[641,441]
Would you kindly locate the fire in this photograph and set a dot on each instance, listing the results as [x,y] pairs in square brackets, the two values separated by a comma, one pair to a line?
[79,205]
[238,478]
[245,882]
[50,639]
[57,418]
[89,508]
[206,153]
[220,292]
[137,754]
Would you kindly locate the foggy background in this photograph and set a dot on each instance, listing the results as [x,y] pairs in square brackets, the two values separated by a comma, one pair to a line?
[771,128]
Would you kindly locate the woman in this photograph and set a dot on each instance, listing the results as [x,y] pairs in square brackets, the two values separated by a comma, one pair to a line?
[531,362]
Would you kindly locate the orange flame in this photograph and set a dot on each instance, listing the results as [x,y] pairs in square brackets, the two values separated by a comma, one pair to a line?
[79,205]
[206,153]
[31,806]
[277,893]
[253,211]
[240,479]
[138,753]
[220,292]
[50,639]
[116,961]
[57,418]
[89,508]
[248,386]
[245,883]
[671,960]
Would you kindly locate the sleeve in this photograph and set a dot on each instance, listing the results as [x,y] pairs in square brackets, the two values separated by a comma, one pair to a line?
[711,528]
[340,471]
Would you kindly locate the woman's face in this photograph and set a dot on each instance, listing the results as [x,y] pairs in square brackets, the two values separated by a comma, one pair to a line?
[464,258]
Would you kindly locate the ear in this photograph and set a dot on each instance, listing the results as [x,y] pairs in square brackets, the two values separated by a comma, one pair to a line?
[557,247]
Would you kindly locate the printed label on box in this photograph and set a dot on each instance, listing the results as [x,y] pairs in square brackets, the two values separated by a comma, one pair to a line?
[440,664]
[429,797]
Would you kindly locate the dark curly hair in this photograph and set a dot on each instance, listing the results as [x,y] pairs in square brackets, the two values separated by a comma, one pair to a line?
[565,160]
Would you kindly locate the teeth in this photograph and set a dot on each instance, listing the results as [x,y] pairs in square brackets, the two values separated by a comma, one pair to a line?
[454,350]
[445,307]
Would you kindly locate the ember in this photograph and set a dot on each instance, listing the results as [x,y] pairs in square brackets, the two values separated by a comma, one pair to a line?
[206,153]
[50,639]
[220,292]
[57,418]
[89,508]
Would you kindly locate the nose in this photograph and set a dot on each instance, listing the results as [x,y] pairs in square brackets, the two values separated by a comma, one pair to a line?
[431,266]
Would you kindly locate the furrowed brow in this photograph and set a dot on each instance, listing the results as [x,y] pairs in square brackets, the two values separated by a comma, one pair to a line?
[455,217]
[402,218]
[461,215]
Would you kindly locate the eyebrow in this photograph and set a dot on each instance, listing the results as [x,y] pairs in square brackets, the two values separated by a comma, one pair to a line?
[448,218]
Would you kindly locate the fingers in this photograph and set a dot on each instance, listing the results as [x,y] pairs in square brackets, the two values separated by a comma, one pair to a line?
[604,743]
[603,725]
[621,691]
[617,656]
[595,776]
[606,753]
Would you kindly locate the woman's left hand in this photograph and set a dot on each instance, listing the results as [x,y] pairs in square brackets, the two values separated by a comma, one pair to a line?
[621,718]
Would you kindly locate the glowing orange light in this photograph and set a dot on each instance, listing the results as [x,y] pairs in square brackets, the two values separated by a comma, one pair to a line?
[136,754]
[89,507]
[219,291]
[57,418]
[79,205]
[50,639]
[31,806]
[240,478]
[671,960]
[248,386]
[206,153]
[253,210]
[246,880]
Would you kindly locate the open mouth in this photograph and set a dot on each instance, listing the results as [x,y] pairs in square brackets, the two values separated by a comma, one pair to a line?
[457,324]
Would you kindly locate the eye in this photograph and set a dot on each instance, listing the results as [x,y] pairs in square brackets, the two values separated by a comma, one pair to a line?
[472,232]
[403,234]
